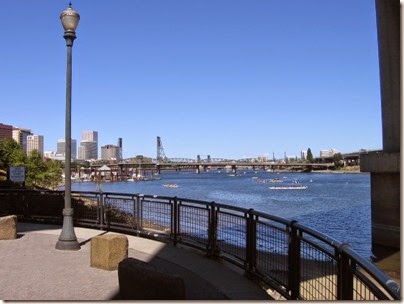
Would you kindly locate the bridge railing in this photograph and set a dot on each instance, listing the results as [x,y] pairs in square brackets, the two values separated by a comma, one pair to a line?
[292,259]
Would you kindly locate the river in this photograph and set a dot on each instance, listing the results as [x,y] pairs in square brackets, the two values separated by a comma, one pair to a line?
[335,204]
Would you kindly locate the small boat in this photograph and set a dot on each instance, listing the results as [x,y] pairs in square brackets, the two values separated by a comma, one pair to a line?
[276,180]
[170,185]
[288,188]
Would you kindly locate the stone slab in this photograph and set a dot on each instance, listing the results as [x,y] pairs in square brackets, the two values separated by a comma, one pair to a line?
[108,250]
[141,281]
[8,227]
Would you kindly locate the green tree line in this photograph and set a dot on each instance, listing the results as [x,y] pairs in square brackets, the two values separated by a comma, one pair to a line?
[39,171]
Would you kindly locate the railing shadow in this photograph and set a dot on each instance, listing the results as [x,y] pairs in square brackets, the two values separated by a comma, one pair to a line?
[292,258]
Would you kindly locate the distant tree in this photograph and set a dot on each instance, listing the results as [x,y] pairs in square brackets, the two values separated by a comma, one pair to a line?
[36,169]
[310,157]
[338,160]
[53,175]
[11,154]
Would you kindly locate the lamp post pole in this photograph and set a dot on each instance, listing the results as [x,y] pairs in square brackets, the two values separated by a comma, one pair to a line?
[67,239]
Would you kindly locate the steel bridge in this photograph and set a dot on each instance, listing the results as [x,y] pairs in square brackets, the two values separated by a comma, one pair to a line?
[121,171]
[234,166]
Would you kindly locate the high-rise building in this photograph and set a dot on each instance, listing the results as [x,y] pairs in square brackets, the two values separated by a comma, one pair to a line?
[20,136]
[110,152]
[88,145]
[60,150]
[88,150]
[120,148]
[6,131]
[35,142]
[89,136]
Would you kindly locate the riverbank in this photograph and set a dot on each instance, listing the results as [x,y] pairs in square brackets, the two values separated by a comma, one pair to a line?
[347,169]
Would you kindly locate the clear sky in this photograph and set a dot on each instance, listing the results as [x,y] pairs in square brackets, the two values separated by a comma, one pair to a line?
[225,78]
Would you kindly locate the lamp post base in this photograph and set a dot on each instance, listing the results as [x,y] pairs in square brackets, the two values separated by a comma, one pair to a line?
[67,239]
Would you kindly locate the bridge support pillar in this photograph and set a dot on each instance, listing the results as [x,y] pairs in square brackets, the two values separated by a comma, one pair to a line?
[384,165]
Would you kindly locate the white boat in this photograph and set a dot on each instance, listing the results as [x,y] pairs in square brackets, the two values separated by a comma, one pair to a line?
[288,188]
[170,185]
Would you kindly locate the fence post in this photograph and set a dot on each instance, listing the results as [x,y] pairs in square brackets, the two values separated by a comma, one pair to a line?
[251,242]
[101,209]
[140,212]
[345,275]
[134,219]
[213,250]
[107,211]
[175,220]
[294,262]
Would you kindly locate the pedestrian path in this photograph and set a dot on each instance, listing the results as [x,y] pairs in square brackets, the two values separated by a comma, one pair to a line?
[32,269]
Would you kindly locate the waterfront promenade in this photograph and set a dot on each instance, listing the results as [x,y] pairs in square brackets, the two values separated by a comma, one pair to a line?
[32,269]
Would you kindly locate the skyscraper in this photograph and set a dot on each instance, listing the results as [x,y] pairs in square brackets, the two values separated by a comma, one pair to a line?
[20,135]
[90,136]
[35,142]
[110,152]
[88,145]
[61,148]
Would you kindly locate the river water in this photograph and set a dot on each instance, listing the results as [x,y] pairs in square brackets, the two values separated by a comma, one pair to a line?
[335,204]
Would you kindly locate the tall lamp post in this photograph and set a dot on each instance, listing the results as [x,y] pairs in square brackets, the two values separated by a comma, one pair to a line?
[67,239]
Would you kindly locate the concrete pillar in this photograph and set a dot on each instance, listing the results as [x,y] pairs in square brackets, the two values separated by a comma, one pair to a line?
[388,32]
[384,165]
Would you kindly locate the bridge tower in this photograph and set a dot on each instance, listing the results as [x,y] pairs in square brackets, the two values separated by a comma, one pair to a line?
[161,156]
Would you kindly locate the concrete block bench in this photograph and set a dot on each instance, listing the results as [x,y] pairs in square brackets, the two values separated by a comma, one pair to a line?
[108,250]
[141,281]
[8,227]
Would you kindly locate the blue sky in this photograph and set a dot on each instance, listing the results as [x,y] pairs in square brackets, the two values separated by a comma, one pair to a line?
[224,78]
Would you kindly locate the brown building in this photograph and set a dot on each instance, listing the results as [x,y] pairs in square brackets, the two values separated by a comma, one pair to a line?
[6,131]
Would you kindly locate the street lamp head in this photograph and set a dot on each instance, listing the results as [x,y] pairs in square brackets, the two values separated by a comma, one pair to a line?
[70,19]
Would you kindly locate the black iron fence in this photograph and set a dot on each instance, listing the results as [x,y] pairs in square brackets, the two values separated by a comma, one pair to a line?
[294,260]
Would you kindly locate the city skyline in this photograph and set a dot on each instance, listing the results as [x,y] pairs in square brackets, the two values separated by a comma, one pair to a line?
[232,79]
[91,137]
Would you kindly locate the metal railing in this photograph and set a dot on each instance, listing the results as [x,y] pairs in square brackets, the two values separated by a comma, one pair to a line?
[294,260]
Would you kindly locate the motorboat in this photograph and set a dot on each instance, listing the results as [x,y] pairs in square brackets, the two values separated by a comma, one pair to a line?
[288,188]
[170,185]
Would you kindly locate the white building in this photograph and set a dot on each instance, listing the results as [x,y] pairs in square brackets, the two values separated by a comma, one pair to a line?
[54,156]
[328,153]
[35,142]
